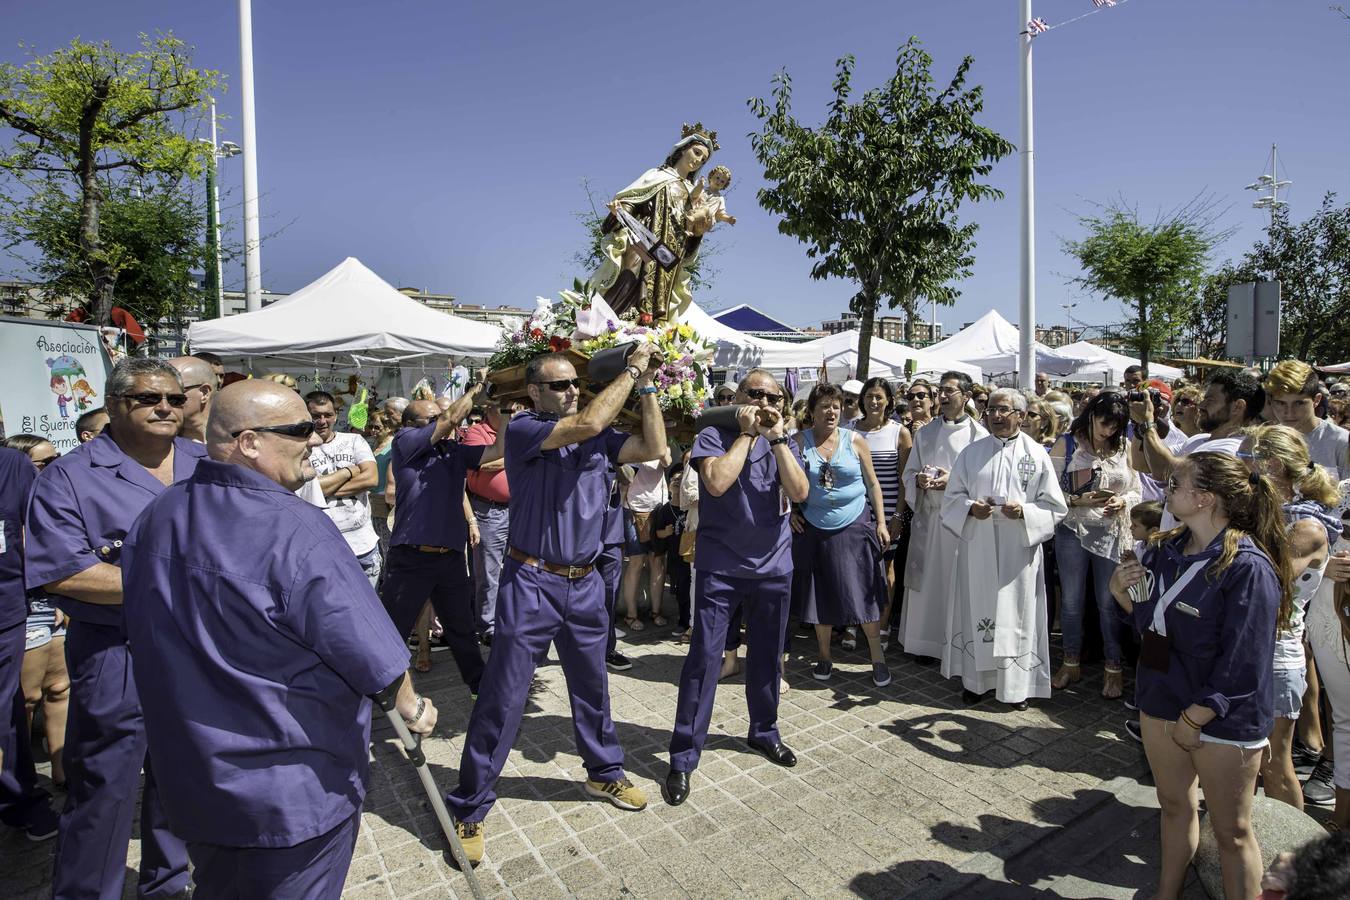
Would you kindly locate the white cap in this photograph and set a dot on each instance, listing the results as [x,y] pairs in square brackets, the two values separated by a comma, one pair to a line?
[852,386]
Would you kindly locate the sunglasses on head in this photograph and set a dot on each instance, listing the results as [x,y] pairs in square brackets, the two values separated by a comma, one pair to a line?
[760,394]
[146,398]
[294,430]
[561,384]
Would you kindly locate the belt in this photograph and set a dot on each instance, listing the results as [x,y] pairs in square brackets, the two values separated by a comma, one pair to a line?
[570,572]
[426,548]
[492,503]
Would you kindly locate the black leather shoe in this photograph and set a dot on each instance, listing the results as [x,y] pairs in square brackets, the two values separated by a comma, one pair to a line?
[971,698]
[775,753]
[676,788]
[1018,706]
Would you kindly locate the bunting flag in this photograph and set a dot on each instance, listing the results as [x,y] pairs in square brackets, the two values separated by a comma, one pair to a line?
[1040,26]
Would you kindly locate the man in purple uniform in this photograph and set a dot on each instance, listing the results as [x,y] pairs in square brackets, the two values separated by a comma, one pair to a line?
[426,553]
[255,649]
[23,804]
[560,465]
[81,510]
[748,478]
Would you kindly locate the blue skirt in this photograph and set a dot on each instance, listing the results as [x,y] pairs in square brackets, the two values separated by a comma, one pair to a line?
[839,577]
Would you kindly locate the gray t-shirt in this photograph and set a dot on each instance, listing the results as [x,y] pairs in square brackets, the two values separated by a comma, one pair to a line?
[1327,444]
[350,514]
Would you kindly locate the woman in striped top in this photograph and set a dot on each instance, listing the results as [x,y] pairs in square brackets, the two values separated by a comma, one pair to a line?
[890,443]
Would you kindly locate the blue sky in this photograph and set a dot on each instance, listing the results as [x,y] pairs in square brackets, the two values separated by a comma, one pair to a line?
[445,144]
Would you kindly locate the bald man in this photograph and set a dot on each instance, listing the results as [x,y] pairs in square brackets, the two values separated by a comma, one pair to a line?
[199,383]
[260,646]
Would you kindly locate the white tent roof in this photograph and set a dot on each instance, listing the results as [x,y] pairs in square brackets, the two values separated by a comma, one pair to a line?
[1102,361]
[735,349]
[991,342]
[349,309]
[888,359]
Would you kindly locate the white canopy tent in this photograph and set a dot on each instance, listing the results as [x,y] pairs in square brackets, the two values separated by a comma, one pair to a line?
[840,351]
[735,349]
[1111,366]
[991,342]
[348,310]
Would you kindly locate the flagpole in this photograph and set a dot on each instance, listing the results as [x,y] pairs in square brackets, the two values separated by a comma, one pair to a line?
[1026,357]
[252,256]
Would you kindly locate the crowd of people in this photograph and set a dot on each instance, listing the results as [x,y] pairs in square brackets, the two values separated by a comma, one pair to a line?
[963,523]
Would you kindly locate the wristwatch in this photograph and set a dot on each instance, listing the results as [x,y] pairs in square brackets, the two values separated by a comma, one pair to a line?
[778,440]
[634,371]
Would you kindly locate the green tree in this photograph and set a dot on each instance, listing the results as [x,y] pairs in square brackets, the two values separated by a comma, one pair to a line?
[152,233]
[1156,269]
[88,115]
[874,190]
[1311,260]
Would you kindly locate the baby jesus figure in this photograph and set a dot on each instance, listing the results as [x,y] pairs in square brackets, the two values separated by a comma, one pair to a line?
[708,195]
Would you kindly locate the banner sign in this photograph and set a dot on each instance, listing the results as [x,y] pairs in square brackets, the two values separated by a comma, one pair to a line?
[53,372]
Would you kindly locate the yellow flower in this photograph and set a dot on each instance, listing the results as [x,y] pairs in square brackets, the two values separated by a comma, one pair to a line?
[673,391]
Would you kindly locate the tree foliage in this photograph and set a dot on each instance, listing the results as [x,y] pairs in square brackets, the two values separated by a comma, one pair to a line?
[873,191]
[1156,269]
[85,120]
[152,235]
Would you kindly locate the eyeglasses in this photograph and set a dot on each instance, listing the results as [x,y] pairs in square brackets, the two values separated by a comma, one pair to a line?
[1001,410]
[918,396]
[726,397]
[1187,401]
[948,391]
[761,394]
[561,384]
[980,399]
[294,430]
[1173,486]
[826,479]
[177,401]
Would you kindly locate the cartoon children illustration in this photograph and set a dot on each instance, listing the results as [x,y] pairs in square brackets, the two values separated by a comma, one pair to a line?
[83,393]
[61,388]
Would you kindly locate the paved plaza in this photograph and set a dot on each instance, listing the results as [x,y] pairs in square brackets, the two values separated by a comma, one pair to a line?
[900,792]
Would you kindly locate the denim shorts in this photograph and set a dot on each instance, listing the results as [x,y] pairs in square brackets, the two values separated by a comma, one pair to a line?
[1290,685]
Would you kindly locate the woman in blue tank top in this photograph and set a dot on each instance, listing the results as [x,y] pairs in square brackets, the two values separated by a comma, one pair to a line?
[839,577]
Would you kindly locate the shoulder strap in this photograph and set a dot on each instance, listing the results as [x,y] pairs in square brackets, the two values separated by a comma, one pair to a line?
[1070,447]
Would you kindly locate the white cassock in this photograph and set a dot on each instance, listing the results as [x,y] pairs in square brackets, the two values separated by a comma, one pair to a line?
[928,568]
[997,636]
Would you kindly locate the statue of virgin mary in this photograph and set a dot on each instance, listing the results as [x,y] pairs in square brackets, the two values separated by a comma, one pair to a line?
[652,235]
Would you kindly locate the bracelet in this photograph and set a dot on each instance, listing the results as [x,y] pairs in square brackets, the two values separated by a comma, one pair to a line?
[421,709]
[1189,721]
[778,440]
[1146,426]
[750,434]
[634,371]
[649,389]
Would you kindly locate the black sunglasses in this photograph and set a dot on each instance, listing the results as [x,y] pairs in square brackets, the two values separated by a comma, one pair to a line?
[295,430]
[177,401]
[916,396]
[760,394]
[561,384]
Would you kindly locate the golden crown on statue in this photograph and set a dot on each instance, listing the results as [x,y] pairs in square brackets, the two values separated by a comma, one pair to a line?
[697,130]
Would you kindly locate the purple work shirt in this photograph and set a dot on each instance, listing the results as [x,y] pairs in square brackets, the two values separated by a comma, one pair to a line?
[81,509]
[613,533]
[429,488]
[559,498]
[744,533]
[254,650]
[16,480]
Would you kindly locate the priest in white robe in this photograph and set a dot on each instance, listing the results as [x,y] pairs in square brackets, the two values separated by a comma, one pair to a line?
[932,549]
[1002,502]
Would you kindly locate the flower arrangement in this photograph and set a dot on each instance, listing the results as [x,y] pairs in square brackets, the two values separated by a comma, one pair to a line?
[590,326]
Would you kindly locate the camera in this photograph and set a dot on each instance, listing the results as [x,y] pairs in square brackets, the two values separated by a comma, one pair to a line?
[1137,396]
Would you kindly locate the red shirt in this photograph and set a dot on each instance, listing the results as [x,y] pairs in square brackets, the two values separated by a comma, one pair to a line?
[490,485]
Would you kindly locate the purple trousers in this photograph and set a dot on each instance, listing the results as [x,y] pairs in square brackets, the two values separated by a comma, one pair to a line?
[19,793]
[534,609]
[765,601]
[312,870]
[104,755]
[411,578]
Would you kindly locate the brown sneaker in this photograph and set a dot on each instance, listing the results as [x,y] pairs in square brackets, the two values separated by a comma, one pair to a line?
[470,836]
[622,793]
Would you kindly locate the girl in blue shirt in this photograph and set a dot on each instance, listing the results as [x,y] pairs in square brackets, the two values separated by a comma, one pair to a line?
[1207,598]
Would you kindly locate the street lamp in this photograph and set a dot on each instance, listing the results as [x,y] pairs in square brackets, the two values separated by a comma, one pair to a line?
[215,289]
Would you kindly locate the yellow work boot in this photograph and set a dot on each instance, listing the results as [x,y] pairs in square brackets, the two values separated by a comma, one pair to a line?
[470,836]
[622,793]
